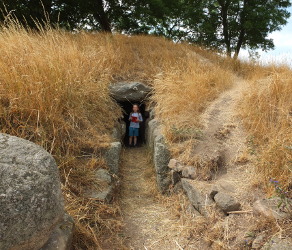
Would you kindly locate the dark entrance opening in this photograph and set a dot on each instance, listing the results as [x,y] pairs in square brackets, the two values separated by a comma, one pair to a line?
[127,107]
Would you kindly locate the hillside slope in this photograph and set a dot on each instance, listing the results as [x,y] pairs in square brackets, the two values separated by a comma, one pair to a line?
[54,91]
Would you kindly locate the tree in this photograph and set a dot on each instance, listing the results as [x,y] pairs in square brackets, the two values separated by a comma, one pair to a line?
[233,25]
[27,12]
[227,25]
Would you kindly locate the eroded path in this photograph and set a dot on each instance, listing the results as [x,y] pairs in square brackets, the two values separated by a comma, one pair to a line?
[224,133]
[150,220]
[156,222]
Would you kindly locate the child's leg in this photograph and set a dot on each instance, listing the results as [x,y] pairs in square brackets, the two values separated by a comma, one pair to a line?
[135,140]
[130,140]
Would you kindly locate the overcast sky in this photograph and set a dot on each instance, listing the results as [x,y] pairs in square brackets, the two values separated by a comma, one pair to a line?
[283,46]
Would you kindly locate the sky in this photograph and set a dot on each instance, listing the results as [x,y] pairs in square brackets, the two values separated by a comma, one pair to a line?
[283,46]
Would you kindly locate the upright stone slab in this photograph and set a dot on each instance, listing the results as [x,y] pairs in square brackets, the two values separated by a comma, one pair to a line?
[119,131]
[152,132]
[161,159]
[31,202]
[112,157]
[129,91]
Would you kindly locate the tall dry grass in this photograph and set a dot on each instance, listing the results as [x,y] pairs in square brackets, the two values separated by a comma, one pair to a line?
[267,113]
[54,92]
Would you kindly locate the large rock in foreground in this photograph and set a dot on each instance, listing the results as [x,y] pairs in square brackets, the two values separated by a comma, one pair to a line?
[31,201]
[129,91]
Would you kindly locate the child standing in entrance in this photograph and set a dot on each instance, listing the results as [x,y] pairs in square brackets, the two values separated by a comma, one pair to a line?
[135,119]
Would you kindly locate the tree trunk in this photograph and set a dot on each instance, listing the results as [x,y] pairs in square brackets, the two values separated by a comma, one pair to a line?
[101,16]
[239,43]
[242,30]
[224,14]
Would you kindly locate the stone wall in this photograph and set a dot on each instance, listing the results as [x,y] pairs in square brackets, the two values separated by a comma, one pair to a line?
[161,155]
[108,178]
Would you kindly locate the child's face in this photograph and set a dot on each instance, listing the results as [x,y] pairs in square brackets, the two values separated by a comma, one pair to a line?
[135,108]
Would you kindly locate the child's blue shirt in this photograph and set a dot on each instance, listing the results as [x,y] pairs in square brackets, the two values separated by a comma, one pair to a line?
[135,124]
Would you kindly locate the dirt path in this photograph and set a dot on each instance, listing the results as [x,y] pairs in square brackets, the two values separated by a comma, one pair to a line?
[150,221]
[224,133]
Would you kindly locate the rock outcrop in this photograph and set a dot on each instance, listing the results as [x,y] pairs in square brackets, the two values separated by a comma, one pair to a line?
[31,201]
[129,91]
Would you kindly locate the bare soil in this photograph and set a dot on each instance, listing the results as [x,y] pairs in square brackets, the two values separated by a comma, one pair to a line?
[152,221]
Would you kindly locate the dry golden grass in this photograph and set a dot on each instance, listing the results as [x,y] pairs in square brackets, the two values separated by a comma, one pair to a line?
[54,92]
[267,113]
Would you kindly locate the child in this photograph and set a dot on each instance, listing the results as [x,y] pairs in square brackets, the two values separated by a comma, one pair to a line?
[135,119]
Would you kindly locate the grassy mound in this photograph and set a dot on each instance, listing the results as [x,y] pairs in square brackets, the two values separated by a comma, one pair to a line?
[54,92]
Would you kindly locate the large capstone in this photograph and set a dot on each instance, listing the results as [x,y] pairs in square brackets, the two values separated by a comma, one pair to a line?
[31,201]
[129,91]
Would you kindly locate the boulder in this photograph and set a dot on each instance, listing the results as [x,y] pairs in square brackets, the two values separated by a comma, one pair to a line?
[31,201]
[129,91]
[269,208]
[161,159]
[175,165]
[61,238]
[189,172]
[112,157]
[278,244]
[226,202]
[200,201]
[103,175]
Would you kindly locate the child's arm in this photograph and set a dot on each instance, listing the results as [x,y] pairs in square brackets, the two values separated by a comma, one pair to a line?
[140,118]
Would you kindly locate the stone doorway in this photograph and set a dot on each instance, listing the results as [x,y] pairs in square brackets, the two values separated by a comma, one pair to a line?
[126,94]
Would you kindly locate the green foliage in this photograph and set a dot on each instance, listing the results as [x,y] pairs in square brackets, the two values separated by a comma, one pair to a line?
[222,24]
[285,202]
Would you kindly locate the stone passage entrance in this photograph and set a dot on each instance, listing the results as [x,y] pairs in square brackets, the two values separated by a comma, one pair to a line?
[127,94]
